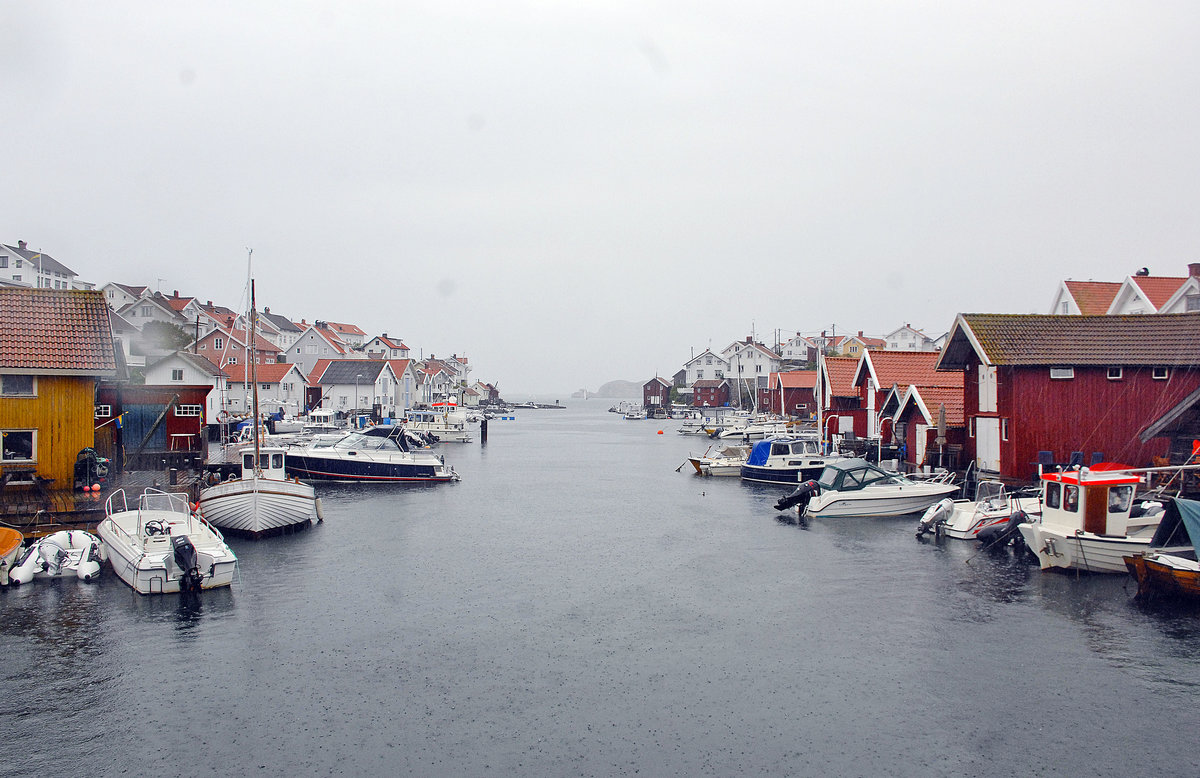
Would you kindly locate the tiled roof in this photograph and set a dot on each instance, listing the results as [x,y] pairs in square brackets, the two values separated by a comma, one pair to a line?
[56,331]
[841,376]
[935,396]
[1093,297]
[344,371]
[399,365]
[1016,339]
[794,379]
[1158,289]
[344,329]
[910,367]
[270,373]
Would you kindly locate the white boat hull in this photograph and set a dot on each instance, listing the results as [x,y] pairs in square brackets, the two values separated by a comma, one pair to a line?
[259,506]
[882,501]
[1072,550]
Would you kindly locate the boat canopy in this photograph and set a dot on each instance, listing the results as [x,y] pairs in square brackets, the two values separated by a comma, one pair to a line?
[763,448]
[850,474]
[1180,525]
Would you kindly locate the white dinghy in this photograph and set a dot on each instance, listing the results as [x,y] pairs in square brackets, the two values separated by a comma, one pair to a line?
[71,552]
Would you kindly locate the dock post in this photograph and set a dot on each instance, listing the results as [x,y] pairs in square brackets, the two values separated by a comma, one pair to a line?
[483,432]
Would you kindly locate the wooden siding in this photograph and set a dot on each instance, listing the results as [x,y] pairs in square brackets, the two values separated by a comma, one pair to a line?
[62,414]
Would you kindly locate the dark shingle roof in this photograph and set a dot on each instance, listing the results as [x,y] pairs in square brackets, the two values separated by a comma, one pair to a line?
[1014,339]
[343,371]
[57,331]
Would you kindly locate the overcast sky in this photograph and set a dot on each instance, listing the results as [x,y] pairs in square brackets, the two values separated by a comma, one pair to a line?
[573,192]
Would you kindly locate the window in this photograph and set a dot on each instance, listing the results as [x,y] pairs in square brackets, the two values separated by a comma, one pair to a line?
[18,386]
[265,387]
[4,262]
[18,445]
[177,374]
[1119,498]
[218,343]
[1192,302]
[1053,495]
[1071,498]
[17,277]
[18,262]
[1062,373]
[1162,373]
[1004,429]
[287,387]
[146,311]
[1115,374]
[187,410]
[1064,306]
[232,361]
[103,411]
[699,375]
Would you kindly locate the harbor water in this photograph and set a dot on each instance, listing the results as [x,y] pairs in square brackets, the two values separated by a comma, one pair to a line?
[577,606]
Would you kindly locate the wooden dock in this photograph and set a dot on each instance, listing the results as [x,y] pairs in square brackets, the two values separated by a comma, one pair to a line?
[36,511]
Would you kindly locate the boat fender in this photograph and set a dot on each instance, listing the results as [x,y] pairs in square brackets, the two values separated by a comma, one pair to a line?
[89,564]
[27,567]
[320,509]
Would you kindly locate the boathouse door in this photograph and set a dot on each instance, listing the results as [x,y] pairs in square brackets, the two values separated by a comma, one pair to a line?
[987,443]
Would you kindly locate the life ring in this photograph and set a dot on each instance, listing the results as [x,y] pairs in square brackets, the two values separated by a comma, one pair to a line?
[223,417]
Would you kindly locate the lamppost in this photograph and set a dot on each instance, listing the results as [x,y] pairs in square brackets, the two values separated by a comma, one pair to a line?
[357,378]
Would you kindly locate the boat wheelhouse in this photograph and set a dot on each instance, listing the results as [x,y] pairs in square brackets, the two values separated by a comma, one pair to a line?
[855,487]
[786,460]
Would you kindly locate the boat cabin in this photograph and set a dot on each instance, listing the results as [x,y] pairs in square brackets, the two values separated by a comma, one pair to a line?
[788,451]
[1094,501]
[852,474]
[270,463]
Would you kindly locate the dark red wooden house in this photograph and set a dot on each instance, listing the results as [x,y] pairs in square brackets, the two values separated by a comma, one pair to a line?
[656,393]
[791,393]
[841,402]
[710,393]
[1083,385]
[141,427]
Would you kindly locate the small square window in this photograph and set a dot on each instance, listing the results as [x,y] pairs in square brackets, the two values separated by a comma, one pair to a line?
[1115,374]
[177,374]
[1062,373]
[1162,373]
[103,411]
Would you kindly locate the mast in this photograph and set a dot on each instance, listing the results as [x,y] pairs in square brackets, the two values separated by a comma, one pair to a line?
[254,379]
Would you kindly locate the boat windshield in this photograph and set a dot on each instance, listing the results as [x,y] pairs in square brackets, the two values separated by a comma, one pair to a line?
[161,501]
[360,442]
[990,492]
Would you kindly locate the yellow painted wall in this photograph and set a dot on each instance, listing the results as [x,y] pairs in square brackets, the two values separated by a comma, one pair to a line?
[63,414]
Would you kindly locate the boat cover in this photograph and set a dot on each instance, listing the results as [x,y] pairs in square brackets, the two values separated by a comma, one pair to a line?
[1180,525]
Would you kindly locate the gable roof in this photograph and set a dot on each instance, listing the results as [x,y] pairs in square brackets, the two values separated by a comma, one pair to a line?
[399,366]
[1171,339]
[389,342]
[794,379]
[710,383]
[132,291]
[926,400]
[195,360]
[43,262]
[904,368]
[346,371]
[56,331]
[281,323]
[270,373]
[657,379]
[344,329]
[1093,298]
[840,373]
[1157,289]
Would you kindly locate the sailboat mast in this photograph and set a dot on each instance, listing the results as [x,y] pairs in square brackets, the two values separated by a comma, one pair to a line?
[254,381]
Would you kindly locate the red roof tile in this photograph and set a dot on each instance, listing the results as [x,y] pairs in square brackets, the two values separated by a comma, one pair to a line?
[64,331]
[1093,297]
[841,376]
[1158,289]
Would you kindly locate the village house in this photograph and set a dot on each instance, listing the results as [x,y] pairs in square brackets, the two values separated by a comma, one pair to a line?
[350,385]
[283,331]
[750,367]
[229,347]
[143,427]
[21,265]
[799,350]
[1140,293]
[281,388]
[1051,389]
[383,347]
[488,393]
[117,296]
[710,393]
[349,334]
[656,393]
[910,339]
[57,345]
[916,412]
[407,382]
[841,401]
[881,372]
[705,366]
[152,307]
[318,342]
[184,368]
[792,393]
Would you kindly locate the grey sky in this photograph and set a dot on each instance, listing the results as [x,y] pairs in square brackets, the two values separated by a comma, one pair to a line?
[575,192]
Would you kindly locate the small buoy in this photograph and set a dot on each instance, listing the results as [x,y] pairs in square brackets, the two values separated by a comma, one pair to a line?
[95,487]
[660,432]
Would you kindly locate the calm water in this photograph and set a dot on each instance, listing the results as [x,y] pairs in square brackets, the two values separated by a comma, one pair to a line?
[576,607]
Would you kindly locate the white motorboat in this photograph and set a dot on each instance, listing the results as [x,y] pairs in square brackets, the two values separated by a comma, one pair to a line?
[377,455]
[159,545]
[786,460]
[261,500]
[726,462]
[992,507]
[1088,521]
[69,552]
[855,487]
[756,430]
[10,549]
[448,426]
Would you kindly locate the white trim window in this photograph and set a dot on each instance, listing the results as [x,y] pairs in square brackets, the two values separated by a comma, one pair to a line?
[1062,373]
[1161,373]
[177,374]
[188,410]
[18,445]
[103,411]
[1115,374]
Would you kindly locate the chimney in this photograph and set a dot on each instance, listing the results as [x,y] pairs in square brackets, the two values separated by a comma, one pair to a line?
[860,333]
[175,294]
[1194,269]
[266,310]
[209,304]
[21,245]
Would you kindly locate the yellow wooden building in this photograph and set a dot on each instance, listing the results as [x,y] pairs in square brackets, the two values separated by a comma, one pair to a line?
[56,345]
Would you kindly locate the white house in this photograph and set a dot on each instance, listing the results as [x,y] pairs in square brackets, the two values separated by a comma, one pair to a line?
[120,295]
[383,347]
[152,307]
[407,384]
[705,366]
[908,338]
[185,369]
[316,343]
[280,388]
[356,384]
[42,271]
[286,333]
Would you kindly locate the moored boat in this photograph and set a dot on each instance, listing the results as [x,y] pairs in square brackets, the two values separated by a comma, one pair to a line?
[70,552]
[1169,568]
[159,545]
[855,487]
[786,460]
[992,507]
[726,462]
[1088,520]
[378,455]
[262,500]
[10,549]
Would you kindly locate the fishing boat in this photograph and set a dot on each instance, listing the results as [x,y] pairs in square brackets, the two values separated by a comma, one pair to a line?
[726,462]
[260,500]
[992,507]
[1169,568]
[376,455]
[159,545]
[72,552]
[757,429]
[10,549]
[445,422]
[855,487]
[1088,520]
[786,460]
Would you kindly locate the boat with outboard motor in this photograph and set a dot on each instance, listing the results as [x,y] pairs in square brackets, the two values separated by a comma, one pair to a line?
[726,462]
[376,455]
[69,552]
[856,488]
[445,422]
[786,460]
[992,507]
[159,545]
[1089,521]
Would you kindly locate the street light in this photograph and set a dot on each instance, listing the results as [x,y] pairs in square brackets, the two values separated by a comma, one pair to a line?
[357,378]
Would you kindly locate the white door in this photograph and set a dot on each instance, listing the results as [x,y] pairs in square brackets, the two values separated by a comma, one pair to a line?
[987,444]
[922,442]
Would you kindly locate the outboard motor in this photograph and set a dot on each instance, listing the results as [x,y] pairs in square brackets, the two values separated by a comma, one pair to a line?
[188,561]
[799,498]
[935,514]
[1001,534]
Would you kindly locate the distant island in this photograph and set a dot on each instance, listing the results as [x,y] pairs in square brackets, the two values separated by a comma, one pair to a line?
[612,389]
